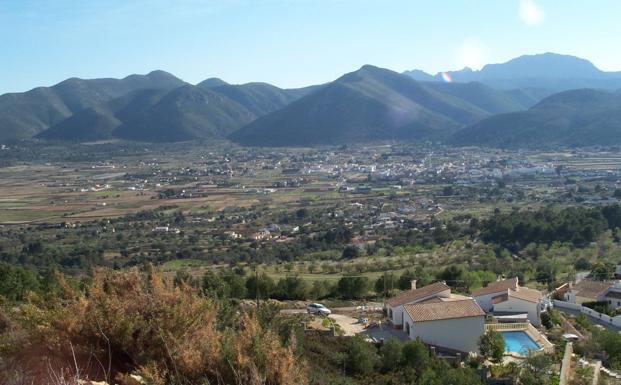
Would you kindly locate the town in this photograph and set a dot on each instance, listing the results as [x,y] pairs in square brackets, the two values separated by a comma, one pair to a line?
[385,242]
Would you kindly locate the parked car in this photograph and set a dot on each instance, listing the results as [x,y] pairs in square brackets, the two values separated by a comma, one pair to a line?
[317,308]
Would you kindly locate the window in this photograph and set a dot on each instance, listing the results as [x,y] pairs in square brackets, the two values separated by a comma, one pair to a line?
[407,328]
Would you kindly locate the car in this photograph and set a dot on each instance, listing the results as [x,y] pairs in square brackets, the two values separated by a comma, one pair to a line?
[317,308]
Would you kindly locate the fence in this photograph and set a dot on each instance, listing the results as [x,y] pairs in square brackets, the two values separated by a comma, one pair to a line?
[507,326]
[616,321]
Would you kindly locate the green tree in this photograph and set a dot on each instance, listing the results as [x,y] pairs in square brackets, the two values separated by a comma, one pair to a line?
[361,356]
[291,287]
[261,286]
[405,280]
[350,252]
[15,282]
[352,287]
[601,271]
[536,370]
[385,284]
[492,346]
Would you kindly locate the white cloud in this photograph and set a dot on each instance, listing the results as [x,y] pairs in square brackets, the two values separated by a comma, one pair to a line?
[472,53]
[531,13]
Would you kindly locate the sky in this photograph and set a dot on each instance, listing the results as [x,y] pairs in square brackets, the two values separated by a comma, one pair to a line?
[290,43]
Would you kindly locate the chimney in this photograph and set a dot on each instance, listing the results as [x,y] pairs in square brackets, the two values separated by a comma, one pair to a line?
[413,284]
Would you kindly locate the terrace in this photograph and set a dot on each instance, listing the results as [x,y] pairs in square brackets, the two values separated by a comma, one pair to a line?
[519,344]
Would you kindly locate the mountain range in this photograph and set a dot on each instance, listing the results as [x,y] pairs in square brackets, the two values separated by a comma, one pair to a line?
[549,72]
[548,98]
[211,109]
[376,104]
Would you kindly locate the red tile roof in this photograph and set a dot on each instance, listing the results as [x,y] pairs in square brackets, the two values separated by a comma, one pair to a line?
[435,311]
[526,294]
[590,289]
[497,287]
[412,296]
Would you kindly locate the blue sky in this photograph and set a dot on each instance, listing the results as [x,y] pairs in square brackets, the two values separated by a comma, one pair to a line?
[290,43]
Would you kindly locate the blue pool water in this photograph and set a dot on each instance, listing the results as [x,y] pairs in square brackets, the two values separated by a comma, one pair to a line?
[518,342]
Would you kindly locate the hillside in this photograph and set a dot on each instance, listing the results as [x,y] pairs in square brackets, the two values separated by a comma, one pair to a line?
[213,109]
[487,98]
[23,115]
[572,118]
[375,104]
[185,113]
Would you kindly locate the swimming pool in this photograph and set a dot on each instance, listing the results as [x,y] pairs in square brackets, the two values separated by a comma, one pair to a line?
[518,342]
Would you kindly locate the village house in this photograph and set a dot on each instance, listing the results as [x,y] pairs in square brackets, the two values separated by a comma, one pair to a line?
[262,234]
[595,291]
[485,295]
[449,323]
[438,317]
[586,291]
[507,298]
[395,305]
[612,296]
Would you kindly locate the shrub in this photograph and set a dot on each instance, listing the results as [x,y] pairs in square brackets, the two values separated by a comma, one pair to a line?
[135,322]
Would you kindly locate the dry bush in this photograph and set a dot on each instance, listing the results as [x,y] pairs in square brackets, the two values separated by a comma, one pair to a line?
[135,322]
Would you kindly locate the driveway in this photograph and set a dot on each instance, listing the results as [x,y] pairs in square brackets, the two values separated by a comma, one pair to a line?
[349,325]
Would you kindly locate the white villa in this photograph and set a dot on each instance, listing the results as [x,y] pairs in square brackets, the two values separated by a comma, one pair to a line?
[595,291]
[438,317]
[451,323]
[586,291]
[395,304]
[507,298]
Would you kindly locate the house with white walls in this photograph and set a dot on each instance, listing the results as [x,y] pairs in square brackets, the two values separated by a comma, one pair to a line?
[485,295]
[449,323]
[587,291]
[506,297]
[394,305]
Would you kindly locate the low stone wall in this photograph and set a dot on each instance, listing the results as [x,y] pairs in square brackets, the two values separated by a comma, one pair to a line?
[616,321]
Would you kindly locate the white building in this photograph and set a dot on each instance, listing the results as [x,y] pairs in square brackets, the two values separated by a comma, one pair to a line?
[521,301]
[395,304]
[618,270]
[485,295]
[455,324]
[612,296]
[506,297]
[586,291]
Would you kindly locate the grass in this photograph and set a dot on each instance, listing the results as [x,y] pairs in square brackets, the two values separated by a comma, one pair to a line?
[13,216]
[183,263]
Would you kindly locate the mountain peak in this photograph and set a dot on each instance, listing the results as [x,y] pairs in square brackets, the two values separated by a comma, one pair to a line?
[548,64]
[212,82]
[160,74]
[419,75]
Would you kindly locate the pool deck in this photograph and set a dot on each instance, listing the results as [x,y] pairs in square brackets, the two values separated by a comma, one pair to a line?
[526,327]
